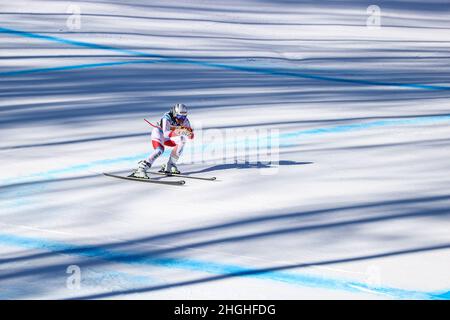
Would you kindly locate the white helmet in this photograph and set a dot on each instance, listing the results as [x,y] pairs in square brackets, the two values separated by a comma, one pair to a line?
[179,111]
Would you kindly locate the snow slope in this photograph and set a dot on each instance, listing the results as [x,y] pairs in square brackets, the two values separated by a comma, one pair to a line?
[358,206]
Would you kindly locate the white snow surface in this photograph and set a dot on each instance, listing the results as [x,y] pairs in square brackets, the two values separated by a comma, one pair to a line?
[358,207]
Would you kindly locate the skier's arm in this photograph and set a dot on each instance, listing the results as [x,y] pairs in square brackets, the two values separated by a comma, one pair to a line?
[166,128]
[188,126]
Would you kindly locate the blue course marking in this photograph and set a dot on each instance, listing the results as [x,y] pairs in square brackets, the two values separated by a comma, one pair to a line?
[51,174]
[72,67]
[442,296]
[260,70]
[212,268]
[286,140]
[362,126]
[76,43]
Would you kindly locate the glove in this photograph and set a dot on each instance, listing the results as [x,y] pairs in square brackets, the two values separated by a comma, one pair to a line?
[183,131]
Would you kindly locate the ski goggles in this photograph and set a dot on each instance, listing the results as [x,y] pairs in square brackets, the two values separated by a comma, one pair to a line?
[181,116]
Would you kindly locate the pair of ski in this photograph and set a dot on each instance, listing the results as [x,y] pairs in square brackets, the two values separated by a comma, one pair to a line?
[175,183]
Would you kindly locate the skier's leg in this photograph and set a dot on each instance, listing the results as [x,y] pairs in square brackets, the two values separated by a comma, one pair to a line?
[145,165]
[157,152]
[177,152]
[158,147]
[167,143]
[175,155]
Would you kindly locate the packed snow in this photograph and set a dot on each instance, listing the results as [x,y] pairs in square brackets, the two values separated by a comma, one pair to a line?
[351,201]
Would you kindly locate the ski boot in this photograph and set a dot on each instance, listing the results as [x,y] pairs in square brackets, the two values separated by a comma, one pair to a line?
[141,171]
[169,169]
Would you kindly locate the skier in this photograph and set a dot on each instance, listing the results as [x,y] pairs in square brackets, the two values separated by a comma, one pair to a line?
[173,130]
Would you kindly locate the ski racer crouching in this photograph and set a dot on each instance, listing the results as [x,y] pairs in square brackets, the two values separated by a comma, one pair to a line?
[173,130]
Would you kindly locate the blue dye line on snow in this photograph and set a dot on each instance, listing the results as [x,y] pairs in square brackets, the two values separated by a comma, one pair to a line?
[286,140]
[73,67]
[212,268]
[51,174]
[442,296]
[77,43]
[98,277]
[260,70]
[363,126]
